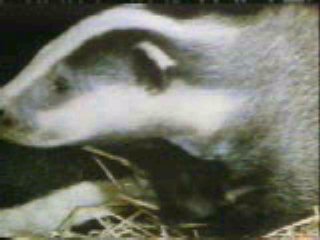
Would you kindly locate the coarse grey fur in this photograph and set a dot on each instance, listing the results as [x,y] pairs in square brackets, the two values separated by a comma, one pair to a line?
[243,90]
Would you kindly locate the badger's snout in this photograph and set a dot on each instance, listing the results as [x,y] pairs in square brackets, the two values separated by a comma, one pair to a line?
[6,119]
[15,122]
[11,125]
[2,113]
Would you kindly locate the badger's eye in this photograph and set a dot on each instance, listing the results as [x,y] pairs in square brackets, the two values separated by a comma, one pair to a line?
[60,85]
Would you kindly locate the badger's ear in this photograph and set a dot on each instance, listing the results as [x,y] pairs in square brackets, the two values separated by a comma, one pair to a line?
[153,66]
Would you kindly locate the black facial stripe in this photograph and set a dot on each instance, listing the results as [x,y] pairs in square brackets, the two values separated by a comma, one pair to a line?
[150,70]
[147,70]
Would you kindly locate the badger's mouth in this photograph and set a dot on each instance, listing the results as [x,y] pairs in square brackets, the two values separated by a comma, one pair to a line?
[31,137]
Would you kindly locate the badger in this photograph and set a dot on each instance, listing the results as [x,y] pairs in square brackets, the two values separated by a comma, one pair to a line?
[236,96]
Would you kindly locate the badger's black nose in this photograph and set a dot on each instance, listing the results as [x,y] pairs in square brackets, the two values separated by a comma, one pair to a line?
[2,113]
[5,119]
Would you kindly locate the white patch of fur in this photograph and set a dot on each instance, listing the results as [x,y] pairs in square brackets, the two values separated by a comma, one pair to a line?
[157,55]
[129,109]
[121,18]
[46,214]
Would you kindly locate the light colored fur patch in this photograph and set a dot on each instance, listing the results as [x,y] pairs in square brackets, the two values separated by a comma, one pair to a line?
[129,109]
[46,214]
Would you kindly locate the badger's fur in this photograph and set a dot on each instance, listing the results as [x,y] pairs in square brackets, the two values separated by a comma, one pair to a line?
[242,93]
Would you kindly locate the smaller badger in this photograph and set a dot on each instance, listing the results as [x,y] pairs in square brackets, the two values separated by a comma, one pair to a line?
[235,96]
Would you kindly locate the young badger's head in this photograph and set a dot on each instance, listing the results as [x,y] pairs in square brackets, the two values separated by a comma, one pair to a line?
[124,73]
[244,93]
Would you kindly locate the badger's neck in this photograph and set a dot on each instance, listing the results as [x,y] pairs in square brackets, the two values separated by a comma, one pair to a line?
[197,111]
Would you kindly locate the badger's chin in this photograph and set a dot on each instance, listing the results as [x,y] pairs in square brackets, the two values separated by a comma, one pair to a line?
[51,142]
[36,139]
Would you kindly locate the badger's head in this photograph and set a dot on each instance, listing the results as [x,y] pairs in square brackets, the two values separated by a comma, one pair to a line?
[124,73]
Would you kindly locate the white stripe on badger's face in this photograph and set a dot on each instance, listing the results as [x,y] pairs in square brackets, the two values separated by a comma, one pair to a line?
[129,110]
[157,55]
[120,18]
